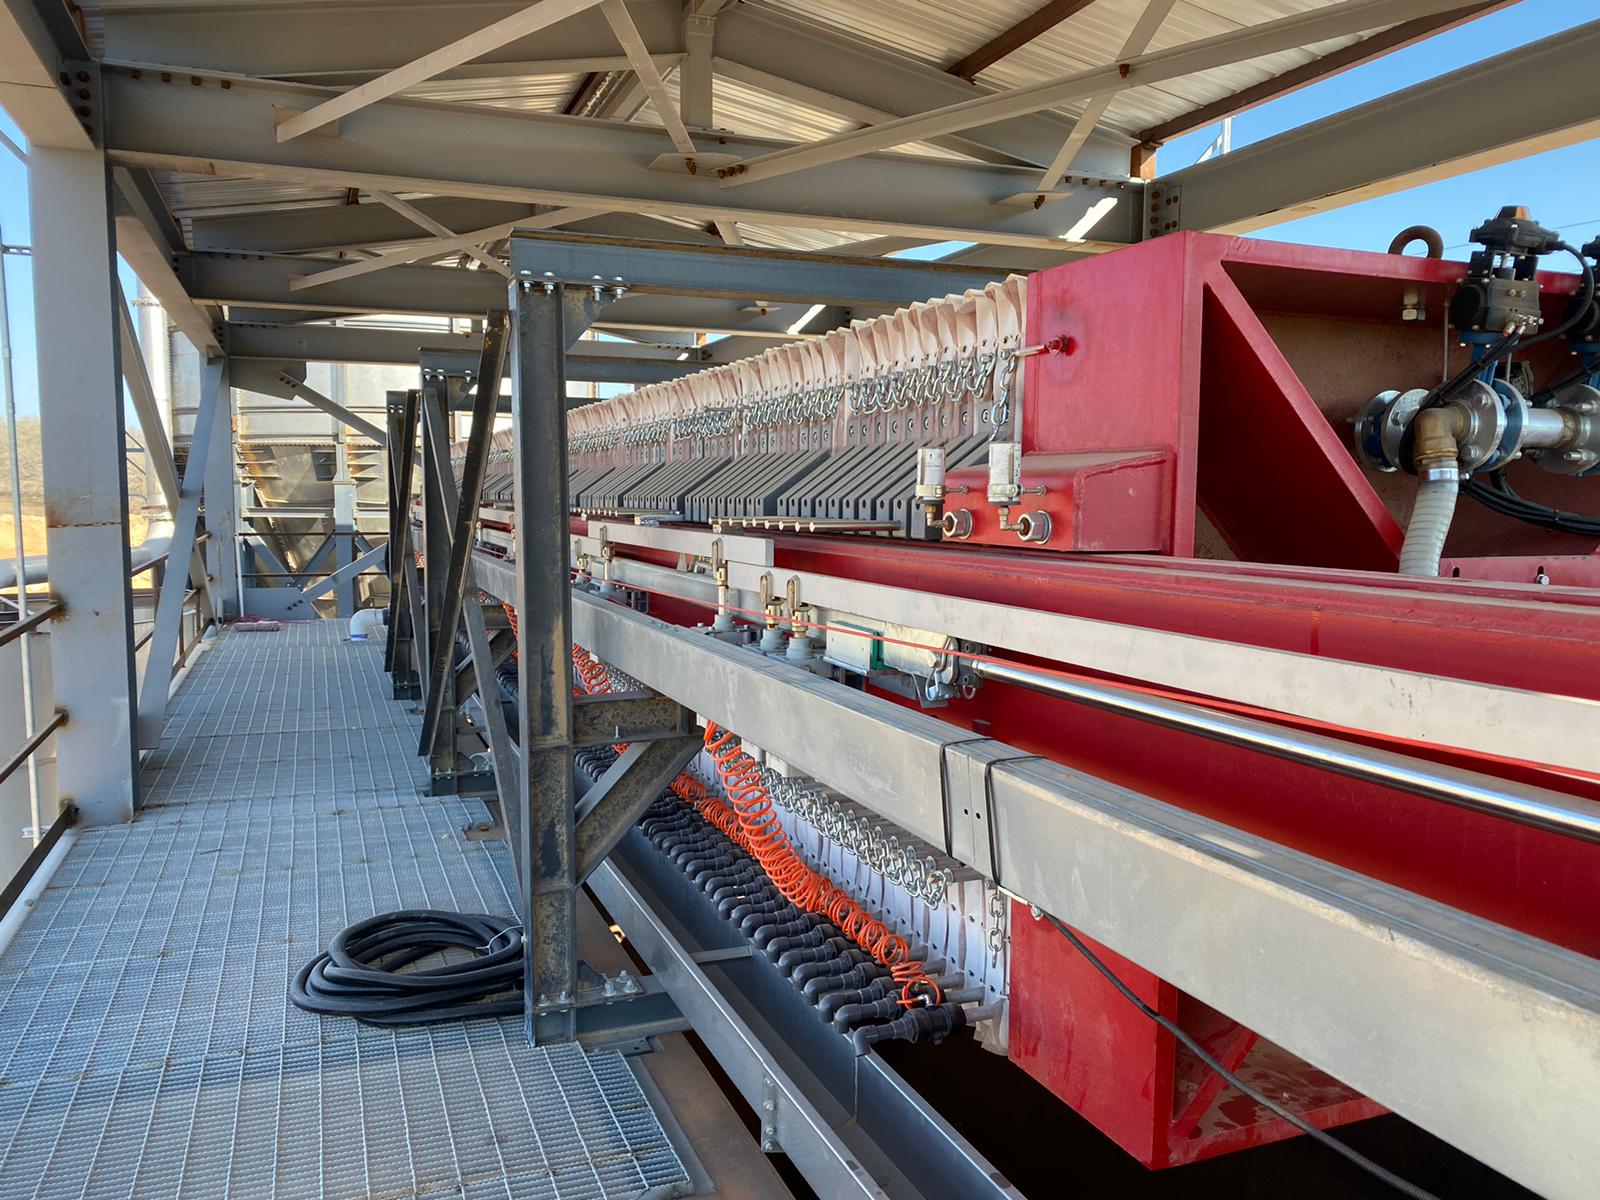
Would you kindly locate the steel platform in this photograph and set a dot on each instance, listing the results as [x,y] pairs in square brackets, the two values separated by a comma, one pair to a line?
[147,1043]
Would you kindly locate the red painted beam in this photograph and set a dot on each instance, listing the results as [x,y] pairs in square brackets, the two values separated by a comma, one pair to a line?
[1018,36]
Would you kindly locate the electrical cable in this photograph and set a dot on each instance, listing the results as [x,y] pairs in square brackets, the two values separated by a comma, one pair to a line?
[363,973]
[1580,307]
[1499,496]
[1194,1047]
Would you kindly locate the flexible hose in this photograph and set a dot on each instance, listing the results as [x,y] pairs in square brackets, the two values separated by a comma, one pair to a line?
[1428,527]
[363,972]
[750,821]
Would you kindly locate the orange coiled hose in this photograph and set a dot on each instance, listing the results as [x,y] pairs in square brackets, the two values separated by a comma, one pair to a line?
[511,620]
[749,819]
[591,672]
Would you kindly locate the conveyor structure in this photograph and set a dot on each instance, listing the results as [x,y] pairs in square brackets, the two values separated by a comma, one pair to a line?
[1109,634]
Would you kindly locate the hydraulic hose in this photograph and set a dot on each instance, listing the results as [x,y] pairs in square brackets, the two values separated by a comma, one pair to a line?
[363,972]
[1429,526]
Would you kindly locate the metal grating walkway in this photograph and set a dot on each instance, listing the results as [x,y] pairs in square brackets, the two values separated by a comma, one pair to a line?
[147,1044]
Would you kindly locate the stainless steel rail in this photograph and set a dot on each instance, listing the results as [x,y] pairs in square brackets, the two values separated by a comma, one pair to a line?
[1539,807]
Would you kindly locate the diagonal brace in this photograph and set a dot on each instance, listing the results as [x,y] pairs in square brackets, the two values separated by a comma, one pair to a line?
[464,527]
[620,796]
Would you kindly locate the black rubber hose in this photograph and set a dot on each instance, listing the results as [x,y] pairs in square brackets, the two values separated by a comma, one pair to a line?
[363,972]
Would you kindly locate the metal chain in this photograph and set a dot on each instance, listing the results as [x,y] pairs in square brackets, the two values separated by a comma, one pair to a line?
[858,830]
[944,382]
[998,413]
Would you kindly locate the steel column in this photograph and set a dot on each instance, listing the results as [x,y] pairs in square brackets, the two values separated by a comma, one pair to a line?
[85,482]
[463,529]
[547,318]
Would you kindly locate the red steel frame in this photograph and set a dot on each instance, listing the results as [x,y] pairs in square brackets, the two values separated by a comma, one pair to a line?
[1203,414]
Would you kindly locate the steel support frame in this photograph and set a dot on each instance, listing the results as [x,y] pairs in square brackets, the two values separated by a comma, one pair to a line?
[1394,1000]
[399,642]
[573,162]
[438,506]
[629,786]
[1435,130]
[460,536]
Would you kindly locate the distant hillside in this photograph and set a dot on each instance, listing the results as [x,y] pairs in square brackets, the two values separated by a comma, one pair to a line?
[140,490]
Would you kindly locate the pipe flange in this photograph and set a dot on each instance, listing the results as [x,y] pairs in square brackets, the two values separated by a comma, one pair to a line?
[1485,438]
[1381,428]
[1582,453]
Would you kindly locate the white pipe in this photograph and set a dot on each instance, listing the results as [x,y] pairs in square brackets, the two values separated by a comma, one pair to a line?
[19,911]
[25,643]
[1429,525]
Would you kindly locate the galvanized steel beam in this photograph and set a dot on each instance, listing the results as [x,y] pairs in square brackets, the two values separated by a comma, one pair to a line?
[332,45]
[262,282]
[728,272]
[209,438]
[1207,54]
[1491,112]
[565,161]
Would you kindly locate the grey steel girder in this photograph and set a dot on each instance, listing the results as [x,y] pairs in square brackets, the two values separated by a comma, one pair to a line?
[356,344]
[1435,1013]
[348,226]
[568,161]
[738,272]
[1490,112]
[329,43]
[262,282]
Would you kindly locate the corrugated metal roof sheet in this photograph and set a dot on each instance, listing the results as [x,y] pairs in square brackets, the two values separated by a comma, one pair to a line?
[942,32]
[527,93]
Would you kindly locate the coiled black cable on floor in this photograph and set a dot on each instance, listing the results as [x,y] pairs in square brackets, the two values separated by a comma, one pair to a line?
[363,972]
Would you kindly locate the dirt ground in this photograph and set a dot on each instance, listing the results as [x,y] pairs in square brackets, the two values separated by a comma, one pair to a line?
[33,539]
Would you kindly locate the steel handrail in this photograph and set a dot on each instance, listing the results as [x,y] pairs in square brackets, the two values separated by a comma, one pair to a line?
[32,744]
[12,632]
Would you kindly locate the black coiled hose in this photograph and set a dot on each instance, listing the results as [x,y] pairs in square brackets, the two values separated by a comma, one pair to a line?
[363,972]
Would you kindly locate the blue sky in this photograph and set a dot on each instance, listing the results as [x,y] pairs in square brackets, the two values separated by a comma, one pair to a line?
[1557,186]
